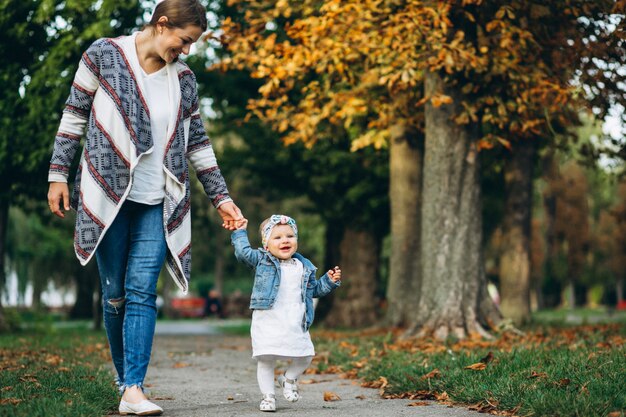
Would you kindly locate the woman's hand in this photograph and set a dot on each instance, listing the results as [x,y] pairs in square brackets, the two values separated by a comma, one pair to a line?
[59,198]
[231,215]
[334,274]
[241,224]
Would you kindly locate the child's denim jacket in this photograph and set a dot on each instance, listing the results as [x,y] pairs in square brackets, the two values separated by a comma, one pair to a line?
[267,277]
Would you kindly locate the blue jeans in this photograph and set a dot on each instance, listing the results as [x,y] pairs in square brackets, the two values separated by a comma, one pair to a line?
[129,258]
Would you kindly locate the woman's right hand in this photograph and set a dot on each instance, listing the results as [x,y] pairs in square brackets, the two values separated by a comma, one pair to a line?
[59,198]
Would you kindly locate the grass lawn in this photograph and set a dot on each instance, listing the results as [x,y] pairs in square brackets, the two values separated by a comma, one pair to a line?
[547,371]
[556,371]
[55,373]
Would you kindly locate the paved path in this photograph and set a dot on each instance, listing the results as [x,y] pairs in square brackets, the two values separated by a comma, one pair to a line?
[200,375]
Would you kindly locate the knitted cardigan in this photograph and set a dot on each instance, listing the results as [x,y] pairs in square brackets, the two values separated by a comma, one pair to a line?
[106,98]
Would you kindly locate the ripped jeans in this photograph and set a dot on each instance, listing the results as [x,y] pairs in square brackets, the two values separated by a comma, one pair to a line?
[129,259]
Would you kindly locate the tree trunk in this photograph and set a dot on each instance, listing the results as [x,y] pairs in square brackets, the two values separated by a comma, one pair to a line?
[453,299]
[536,297]
[38,289]
[332,256]
[355,303]
[515,260]
[85,286]
[168,312]
[97,308]
[619,289]
[219,238]
[4,219]
[405,188]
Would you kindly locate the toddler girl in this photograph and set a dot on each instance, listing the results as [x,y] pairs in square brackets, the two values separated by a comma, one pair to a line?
[282,300]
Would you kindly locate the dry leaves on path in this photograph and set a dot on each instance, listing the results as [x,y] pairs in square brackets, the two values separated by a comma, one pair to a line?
[331,396]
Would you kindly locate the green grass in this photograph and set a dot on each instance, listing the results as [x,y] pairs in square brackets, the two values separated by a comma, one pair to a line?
[241,328]
[56,373]
[579,316]
[579,374]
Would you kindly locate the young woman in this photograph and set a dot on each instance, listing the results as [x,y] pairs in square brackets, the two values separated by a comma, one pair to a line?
[138,104]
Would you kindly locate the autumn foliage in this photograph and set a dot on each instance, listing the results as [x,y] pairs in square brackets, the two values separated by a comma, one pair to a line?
[360,65]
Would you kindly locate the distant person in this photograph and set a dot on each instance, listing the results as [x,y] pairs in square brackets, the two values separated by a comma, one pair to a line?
[282,304]
[213,306]
[139,106]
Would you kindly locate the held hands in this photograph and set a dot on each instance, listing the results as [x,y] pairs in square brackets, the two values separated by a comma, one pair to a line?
[241,224]
[231,216]
[59,198]
[334,274]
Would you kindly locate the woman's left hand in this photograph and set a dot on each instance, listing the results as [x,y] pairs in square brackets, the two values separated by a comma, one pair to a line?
[231,215]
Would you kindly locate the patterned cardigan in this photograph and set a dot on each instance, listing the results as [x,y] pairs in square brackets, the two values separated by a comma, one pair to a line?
[106,98]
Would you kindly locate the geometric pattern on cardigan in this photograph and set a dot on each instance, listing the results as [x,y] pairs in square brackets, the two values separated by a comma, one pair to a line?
[106,98]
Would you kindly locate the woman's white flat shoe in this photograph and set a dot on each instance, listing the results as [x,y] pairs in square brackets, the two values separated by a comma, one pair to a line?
[144,408]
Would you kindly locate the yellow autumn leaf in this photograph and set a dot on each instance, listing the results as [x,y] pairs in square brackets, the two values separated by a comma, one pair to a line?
[440,99]
[479,366]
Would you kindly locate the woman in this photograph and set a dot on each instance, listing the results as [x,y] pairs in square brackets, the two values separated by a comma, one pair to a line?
[139,106]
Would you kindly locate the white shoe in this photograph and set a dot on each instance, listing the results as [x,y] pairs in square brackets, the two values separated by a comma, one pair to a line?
[290,388]
[268,403]
[144,408]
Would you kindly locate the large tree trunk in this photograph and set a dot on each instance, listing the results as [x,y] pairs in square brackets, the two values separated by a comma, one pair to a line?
[4,219]
[405,188]
[515,260]
[354,305]
[453,296]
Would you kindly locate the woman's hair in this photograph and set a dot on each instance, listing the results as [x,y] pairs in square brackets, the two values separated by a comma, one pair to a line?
[180,13]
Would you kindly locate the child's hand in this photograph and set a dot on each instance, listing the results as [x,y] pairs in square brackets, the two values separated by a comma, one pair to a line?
[241,224]
[334,274]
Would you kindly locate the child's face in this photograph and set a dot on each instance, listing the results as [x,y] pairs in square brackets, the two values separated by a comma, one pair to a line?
[282,242]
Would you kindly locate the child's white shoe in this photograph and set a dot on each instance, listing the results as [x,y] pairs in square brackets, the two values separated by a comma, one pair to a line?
[268,403]
[290,388]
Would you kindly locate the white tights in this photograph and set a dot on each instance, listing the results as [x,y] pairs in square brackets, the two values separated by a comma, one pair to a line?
[265,370]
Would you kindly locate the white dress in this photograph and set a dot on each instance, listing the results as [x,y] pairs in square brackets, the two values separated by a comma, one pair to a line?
[278,331]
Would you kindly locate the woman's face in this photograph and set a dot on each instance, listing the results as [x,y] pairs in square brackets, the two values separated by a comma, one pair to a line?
[173,41]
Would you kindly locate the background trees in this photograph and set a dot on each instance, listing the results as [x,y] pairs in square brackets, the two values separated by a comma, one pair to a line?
[425,122]
[486,75]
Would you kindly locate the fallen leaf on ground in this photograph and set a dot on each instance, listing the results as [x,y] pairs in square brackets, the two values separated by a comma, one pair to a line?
[479,366]
[331,396]
[360,397]
[534,374]
[432,374]
[417,404]
[180,365]
[563,382]
[314,381]
[442,397]
[12,401]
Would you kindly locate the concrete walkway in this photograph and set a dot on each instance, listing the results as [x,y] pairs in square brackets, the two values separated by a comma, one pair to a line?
[197,373]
